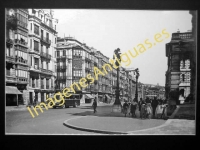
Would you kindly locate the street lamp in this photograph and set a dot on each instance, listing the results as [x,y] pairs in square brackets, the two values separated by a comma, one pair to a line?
[117,103]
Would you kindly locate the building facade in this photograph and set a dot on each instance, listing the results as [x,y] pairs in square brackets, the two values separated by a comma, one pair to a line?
[179,54]
[16,55]
[42,48]
[76,60]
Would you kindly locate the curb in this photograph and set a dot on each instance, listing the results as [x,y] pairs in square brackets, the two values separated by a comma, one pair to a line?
[174,113]
[89,129]
[153,128]
[110,132]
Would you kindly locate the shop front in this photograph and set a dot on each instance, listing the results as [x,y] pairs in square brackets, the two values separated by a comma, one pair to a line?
[12,94]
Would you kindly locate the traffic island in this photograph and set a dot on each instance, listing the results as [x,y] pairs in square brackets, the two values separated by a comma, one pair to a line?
[111,125]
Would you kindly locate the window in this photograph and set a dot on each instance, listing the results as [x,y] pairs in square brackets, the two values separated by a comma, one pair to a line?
[55,40]
[58,53]
[31,43]
[36,29]
[36,46]
[47,66]
[55,27]
[31,26]
[64,52]
[8,53]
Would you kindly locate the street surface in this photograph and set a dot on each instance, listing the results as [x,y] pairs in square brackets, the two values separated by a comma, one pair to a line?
[51,122]
[48,122]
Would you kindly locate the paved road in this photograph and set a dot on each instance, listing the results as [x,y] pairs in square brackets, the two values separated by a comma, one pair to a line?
[48,122]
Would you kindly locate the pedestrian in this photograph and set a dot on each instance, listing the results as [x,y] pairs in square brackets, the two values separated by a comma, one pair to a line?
[159,110]
[154,104]
[125,108]
[142,109]
[140,104]
[94,105]
[133,107]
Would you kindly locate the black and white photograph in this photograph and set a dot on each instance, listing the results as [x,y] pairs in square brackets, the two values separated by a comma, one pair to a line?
[100,71]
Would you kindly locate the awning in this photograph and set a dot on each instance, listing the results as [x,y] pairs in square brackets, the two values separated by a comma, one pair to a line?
[108,96]
[12,90]
[88,96]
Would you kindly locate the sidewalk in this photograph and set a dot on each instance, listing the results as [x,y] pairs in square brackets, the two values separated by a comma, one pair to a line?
[107,122]
[17,108]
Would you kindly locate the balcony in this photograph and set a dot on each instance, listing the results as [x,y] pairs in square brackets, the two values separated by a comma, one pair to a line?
[45,40]
[46,71]
[11,78]
[45,55]
[10,59]
[22,80]
[20,60]
[61,67]
[22,43]
[24,25]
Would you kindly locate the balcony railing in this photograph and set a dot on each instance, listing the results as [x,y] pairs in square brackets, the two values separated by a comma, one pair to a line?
[21,60]
[22,24]
[21,42]
[45,55]
[46,40]
[46,71]
[10,58]
[61,67]
[11,78]
[22,79]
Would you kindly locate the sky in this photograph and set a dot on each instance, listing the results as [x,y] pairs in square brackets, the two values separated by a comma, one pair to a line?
[107,30]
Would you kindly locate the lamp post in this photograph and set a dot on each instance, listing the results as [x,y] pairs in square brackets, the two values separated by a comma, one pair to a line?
[137,76]
[117,103]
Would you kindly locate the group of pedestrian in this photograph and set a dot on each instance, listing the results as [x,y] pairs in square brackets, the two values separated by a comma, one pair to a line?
[147,108]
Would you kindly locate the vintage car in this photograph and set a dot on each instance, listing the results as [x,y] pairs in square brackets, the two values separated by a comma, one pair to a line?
[73,100]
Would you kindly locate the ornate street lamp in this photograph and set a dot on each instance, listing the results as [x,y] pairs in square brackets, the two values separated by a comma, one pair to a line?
[117,103]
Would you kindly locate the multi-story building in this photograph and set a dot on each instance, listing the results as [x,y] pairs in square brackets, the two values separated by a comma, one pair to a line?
[76,60]
[16,55]
[179,53]
[42,49]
